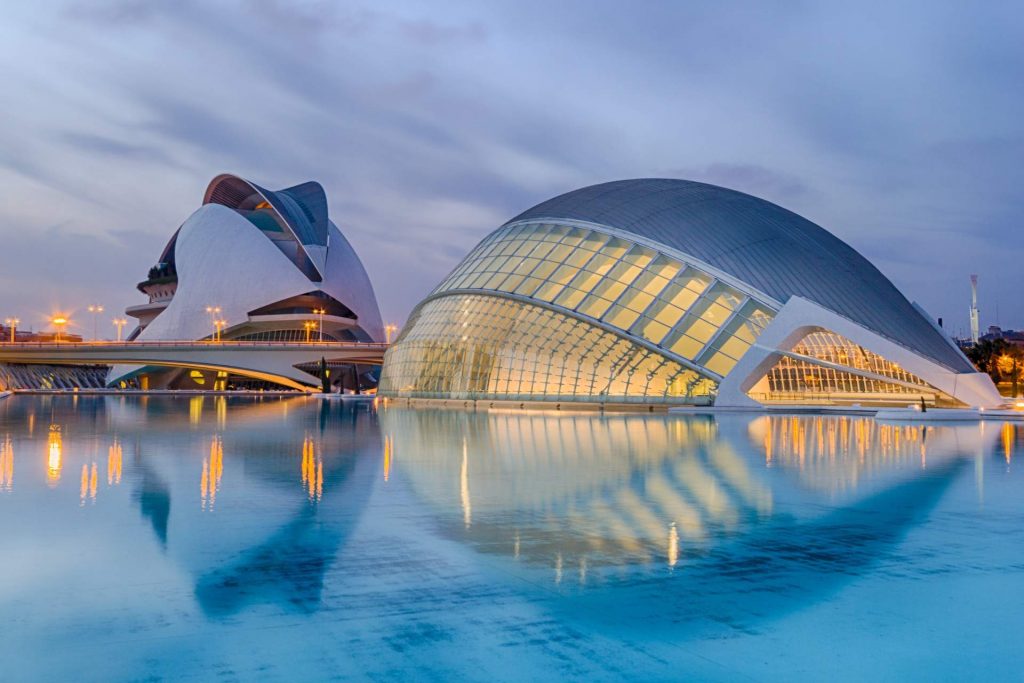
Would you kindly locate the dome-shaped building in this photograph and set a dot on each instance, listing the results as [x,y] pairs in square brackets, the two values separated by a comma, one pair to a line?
[660,291]
[252,264]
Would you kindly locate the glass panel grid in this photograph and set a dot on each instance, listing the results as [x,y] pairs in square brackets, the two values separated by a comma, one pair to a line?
[480,347]
[626,285]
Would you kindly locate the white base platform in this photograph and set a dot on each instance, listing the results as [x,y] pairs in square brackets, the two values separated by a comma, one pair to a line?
[930,415]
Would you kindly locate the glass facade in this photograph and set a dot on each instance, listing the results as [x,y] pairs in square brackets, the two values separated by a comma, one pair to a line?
[636,289]
[805,379]
[471,346]
[547,311]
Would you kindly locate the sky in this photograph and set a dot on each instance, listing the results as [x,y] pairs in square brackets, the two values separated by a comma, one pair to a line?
[898,126]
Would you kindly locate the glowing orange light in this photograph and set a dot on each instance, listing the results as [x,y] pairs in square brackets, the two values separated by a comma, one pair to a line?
[54,458]
[213,469]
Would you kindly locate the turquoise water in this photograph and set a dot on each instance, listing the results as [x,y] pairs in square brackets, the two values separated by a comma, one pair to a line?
[291,539]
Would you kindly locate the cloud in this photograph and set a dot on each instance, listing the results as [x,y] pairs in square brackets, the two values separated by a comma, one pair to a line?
[893,126]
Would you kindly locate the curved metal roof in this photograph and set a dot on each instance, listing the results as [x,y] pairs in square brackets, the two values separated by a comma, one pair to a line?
[302,208]
[774,250]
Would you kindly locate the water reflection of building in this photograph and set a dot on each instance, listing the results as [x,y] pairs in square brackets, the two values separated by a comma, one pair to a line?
[54,455]
[7,464]
[114,463]
[834,452]
[312,470]
[584,488]
[576,492]
[213,470]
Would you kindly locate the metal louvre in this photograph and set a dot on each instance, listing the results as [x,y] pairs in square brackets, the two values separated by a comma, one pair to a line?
[773,249]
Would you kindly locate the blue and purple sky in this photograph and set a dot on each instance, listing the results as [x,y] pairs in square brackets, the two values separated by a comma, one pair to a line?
[897,126]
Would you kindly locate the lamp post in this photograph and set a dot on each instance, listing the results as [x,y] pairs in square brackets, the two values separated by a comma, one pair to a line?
[219,325]
[58,322]
[13,324]
[214,311]
[95,309]
[309,325]
[119,323]
[320,312]
[388,330]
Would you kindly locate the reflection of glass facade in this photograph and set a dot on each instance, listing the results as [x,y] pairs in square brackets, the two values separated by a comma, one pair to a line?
[628,286]
[485,347]
[802,377]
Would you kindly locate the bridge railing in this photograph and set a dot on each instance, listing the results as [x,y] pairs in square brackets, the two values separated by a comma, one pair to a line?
[196,344]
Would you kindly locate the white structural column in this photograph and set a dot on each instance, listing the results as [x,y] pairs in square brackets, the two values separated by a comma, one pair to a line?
[799,317]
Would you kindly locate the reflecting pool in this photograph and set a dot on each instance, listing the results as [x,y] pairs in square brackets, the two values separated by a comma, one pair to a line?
[293,539]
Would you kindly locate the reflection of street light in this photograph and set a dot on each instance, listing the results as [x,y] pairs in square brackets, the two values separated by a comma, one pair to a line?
[119,323]
[309,325]
[388,330]
[59,322]
[95,309]
[213,311]
[13,324]
[320,312]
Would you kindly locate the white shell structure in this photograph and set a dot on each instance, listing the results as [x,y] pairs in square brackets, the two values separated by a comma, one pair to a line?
[665,291]
[257,263]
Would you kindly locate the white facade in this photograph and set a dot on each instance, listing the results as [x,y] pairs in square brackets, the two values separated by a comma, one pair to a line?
[663,291]
[235,260]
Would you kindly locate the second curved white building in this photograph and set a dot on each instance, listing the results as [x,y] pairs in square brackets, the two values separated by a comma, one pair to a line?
[662,291]
[255,263]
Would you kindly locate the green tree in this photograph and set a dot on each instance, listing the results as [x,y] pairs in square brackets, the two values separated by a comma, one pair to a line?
[985,355]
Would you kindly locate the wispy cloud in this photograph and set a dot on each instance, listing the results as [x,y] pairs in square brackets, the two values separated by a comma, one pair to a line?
[896,127]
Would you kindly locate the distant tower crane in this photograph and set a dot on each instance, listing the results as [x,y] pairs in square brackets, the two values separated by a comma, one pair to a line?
[974,309]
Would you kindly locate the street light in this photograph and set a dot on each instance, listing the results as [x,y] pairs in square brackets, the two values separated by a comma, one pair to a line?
[388,330]
[58,322]
[219,325]
[119,323]
[309,325]
[95,309]
[13,324]
[320,312]
[214,311]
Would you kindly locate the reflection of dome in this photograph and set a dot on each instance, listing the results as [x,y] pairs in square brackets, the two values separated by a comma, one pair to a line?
[564,490]
[607,490]
[260,262]
[669,291]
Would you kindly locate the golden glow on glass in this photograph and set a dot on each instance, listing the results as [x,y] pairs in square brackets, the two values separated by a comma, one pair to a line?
[312,470]
[114,461]
[6,464]
[467,505]
[804,379]
[54,455]
[213,470]
[478,347]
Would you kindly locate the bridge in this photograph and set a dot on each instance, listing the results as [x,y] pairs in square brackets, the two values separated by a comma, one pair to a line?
[269,361]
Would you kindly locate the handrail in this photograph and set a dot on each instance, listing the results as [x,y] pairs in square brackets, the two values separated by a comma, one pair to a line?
[194,344]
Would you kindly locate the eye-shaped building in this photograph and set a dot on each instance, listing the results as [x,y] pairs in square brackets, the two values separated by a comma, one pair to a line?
[660,291]
[254,263]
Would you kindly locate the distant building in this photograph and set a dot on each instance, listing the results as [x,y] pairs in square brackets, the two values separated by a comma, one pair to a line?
[21,336]
[671,292]
[1014,337]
